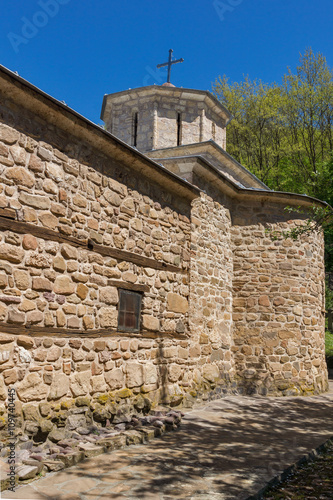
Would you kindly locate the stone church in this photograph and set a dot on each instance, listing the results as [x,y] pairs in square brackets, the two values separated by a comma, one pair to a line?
[135,264]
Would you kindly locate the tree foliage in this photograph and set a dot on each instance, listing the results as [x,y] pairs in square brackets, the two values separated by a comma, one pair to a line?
[283,133]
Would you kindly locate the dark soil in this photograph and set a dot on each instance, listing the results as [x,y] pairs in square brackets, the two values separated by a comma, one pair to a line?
[311,481]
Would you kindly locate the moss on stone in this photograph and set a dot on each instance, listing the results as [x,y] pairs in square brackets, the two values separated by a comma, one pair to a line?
[82,401]
[124,393]
[103,399]
[68,403]
[2,422]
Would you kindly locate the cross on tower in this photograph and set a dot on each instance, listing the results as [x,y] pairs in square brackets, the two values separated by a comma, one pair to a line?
[169,64]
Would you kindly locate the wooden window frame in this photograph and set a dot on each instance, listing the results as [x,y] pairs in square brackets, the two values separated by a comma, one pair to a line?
[123,293]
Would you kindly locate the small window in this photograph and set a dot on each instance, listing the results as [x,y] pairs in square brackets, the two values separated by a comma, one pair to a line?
[129,311]
[135,129]
[179,129]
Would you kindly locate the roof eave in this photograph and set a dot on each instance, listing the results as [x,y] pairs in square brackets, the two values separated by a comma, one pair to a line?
[65,117]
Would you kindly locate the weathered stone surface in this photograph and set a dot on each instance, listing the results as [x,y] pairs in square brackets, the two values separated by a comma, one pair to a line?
[8,134]
[25,341]
[134,375]
[115,378]
[210,373]
[61,318]
[41,284]
[11,253]
[49,221]
[64,285]
[150,374]
[112,197]
[35,164]
[69,252]
[98,384]
[31,388]
[109,295]
[54,172]
[20,176]
[82,291]
[15,317]
[108,316]
[34,317]
[59,264]
[150,322]
[174,373]
[22,279]
[80,383]
[176,303]
[6,339]
[59,386]
[26,472]
[40,202]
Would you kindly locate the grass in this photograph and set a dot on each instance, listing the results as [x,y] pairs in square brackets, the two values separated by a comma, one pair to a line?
[329,344]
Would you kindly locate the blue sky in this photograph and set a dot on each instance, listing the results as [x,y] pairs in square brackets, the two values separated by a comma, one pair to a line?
[79,50]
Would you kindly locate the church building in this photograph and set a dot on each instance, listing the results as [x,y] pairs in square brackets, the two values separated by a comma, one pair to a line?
[136,268]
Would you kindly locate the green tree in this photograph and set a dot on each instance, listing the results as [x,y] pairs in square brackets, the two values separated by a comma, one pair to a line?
[308,117]
[284,133]
[255,134]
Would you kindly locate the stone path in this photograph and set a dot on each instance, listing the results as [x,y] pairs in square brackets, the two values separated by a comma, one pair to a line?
[228,449]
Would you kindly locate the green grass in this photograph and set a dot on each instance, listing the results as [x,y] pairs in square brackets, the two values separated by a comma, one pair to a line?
[329,344]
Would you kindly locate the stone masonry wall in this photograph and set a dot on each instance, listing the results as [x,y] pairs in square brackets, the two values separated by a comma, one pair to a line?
[210,298]
[57,297]
[157,122]
[278,303]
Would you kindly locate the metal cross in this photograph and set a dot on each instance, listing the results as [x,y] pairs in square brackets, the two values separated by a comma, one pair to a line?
[169,64]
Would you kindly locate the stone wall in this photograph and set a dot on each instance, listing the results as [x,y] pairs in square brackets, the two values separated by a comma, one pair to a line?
[223,306]
[157,122]
[211,291]
[59,344]
[278,305]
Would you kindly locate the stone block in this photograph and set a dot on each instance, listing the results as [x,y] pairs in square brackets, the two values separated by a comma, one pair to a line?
[109,295]
[82,291]
[59,387]
[39,202]
[80,383]
[177,303]
[98,384]
[174,372]
[133,437]
[108,317]
[41,284]
[64,285]
[150,374]
[150,322]
[11,253]
[31,388]
[211,373]
[115,378]
[49,221]
[134,375]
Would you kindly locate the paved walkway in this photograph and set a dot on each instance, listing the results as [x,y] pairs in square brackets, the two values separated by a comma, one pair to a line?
[228,449]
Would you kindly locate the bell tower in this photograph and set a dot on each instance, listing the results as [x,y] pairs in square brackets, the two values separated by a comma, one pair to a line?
[158,117]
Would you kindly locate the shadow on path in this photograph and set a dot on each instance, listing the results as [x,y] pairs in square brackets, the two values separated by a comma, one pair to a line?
[227,450]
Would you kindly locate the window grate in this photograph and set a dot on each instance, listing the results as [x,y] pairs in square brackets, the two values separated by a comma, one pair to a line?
[129,311]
